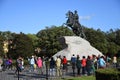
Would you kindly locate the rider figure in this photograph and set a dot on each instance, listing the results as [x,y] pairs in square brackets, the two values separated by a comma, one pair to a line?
[73,22]
[76,17]
[70,18]
[76,28]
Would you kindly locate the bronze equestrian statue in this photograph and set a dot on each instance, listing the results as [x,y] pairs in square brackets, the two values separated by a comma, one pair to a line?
[73,23]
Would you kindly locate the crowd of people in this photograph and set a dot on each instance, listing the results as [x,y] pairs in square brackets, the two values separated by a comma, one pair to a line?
[80,66]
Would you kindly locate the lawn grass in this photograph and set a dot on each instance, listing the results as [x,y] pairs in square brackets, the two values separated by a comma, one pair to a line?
[81,78]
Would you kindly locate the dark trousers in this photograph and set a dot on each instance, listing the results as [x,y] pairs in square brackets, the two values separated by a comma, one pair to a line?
[73,67]
[18,69]
[78,71]
[4,67]
[83,70]
[88,70]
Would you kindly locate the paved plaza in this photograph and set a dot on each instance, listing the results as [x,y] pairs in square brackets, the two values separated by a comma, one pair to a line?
[27,75]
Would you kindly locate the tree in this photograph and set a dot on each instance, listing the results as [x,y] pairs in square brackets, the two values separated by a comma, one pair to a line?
[21,46]
[34,39]
[1,46]
[117,40]
[112,48]
[97,39]
[6,35]
[113,38]
[111,35]
[48,39]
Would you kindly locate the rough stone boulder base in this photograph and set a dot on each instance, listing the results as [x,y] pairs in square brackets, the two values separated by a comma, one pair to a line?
[76,45]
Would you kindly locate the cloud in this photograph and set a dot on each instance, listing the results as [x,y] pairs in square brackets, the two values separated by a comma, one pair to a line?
[86,17]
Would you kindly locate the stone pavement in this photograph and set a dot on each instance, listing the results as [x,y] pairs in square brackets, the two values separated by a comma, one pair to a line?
[27,75]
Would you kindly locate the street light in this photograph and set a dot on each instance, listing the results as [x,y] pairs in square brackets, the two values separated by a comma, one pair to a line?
[46,63]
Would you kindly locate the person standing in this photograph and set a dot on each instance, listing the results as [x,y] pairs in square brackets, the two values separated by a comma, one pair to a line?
[18,65]
[94,66]
[22,64]
[58,66]
[114,61]
[83,62]
[89,64]
[52,67]
[64,67]
[32,62]
[1,62]
[64,62]
[4,63]
[39,64]
[101,62]
[78,65]
[10,63]
[73,62]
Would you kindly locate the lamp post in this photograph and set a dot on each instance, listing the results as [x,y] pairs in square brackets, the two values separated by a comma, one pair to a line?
[18,74]
[46,62]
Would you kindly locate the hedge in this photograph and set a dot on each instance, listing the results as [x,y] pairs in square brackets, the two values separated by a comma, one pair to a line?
[107,74]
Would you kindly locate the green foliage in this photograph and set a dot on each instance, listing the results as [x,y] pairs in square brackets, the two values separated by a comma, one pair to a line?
[23,46]
[107,74]
[105,42]
[6,35]
[118,54]
[81,78]
[113,38]
[97,39]
[117,40]
[1,45]
[113,48]
[48,39]
[34,39]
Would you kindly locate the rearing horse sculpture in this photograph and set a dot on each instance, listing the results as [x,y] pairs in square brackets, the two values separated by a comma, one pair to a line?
[73,23]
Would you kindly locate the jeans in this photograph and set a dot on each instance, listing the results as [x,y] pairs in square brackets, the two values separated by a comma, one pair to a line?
[52,72]
[89,70]
[31,67]
[83,70]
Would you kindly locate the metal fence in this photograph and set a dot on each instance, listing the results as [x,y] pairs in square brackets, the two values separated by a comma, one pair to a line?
[35,75]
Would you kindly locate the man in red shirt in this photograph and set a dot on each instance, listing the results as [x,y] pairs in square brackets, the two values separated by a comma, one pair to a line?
[83,62]
[64,61]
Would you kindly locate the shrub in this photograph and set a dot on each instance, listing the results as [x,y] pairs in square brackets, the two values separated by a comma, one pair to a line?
[107,74]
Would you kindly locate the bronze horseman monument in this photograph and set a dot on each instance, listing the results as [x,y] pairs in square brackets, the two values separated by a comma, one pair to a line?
[77,45]
[73,23]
